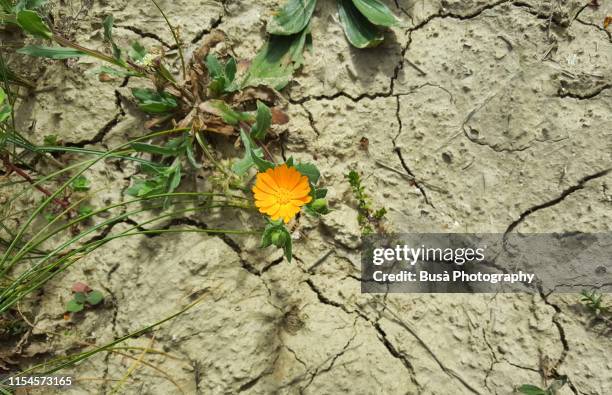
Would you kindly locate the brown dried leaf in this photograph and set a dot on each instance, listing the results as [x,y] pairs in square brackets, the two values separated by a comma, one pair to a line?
[607,21]
[279,117]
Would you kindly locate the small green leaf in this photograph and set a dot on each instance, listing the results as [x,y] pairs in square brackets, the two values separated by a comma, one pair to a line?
[310,171]
[248,161]
[278,59]
[138,52]
[32,23]
[376,12]
[529,389]
[5,108]
[81,184]
[56,53]
[214,66]
[152,101]
[360,32]
[276,234]
[262,164]
[50,140]
[73,306]
[108,35]
[262,121]
[94,297]
[230,70]
[28,4]
[223,110]
[292,18]
[85,210]
[320,193]
[80,297]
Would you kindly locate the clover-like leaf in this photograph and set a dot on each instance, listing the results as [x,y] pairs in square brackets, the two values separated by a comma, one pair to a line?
[94,297]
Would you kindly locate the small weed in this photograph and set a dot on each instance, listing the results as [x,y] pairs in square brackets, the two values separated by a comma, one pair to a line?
[368,218]
[553,389]
[83,296]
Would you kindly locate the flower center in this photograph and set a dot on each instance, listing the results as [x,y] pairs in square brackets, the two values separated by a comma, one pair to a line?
[283,196]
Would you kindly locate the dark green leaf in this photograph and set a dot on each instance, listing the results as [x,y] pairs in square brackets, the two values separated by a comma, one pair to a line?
[320,193]
[94,297]
[276,62]
[80,297]
[155,102]
[292,18]
[51,52]
[143,188]
[230,70]
[360,32]
[310,171]
[174,178]
[262,121]
[73,306]
[32,23]
[376,12]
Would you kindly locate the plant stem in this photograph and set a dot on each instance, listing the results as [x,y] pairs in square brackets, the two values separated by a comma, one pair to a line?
[16,169]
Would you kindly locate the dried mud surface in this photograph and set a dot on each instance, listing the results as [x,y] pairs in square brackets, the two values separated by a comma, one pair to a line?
[481,116]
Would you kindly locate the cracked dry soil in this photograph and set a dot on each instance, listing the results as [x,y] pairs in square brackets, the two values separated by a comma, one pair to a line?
[481,116]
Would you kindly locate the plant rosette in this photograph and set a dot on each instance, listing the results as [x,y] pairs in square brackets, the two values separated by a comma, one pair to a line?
[83,296]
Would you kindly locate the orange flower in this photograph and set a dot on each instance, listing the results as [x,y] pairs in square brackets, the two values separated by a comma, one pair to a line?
[281,192]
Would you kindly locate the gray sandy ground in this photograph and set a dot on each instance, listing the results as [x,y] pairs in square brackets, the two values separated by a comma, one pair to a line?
[494,108]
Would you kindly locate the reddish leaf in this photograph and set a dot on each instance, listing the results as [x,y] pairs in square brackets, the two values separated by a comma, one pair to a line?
[80,287]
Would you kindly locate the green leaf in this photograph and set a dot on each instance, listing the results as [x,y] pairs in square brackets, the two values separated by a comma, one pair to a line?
[51,52]
[360,32]
[214,66]
[32,23]
[292,18]
[276,234]
[5,108]
[529,389]
[248,161]
[174,177]
[262,164]
[310,171]
[137,52]
[108,35]
[148,187]
[94,297]
[81,184]
[229,115]
[85,210]
[262,121]
[152,101]
[276,62]
[320,193]
[79,297]
[376,12]
[230,70]
[27,4]
[73,306]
